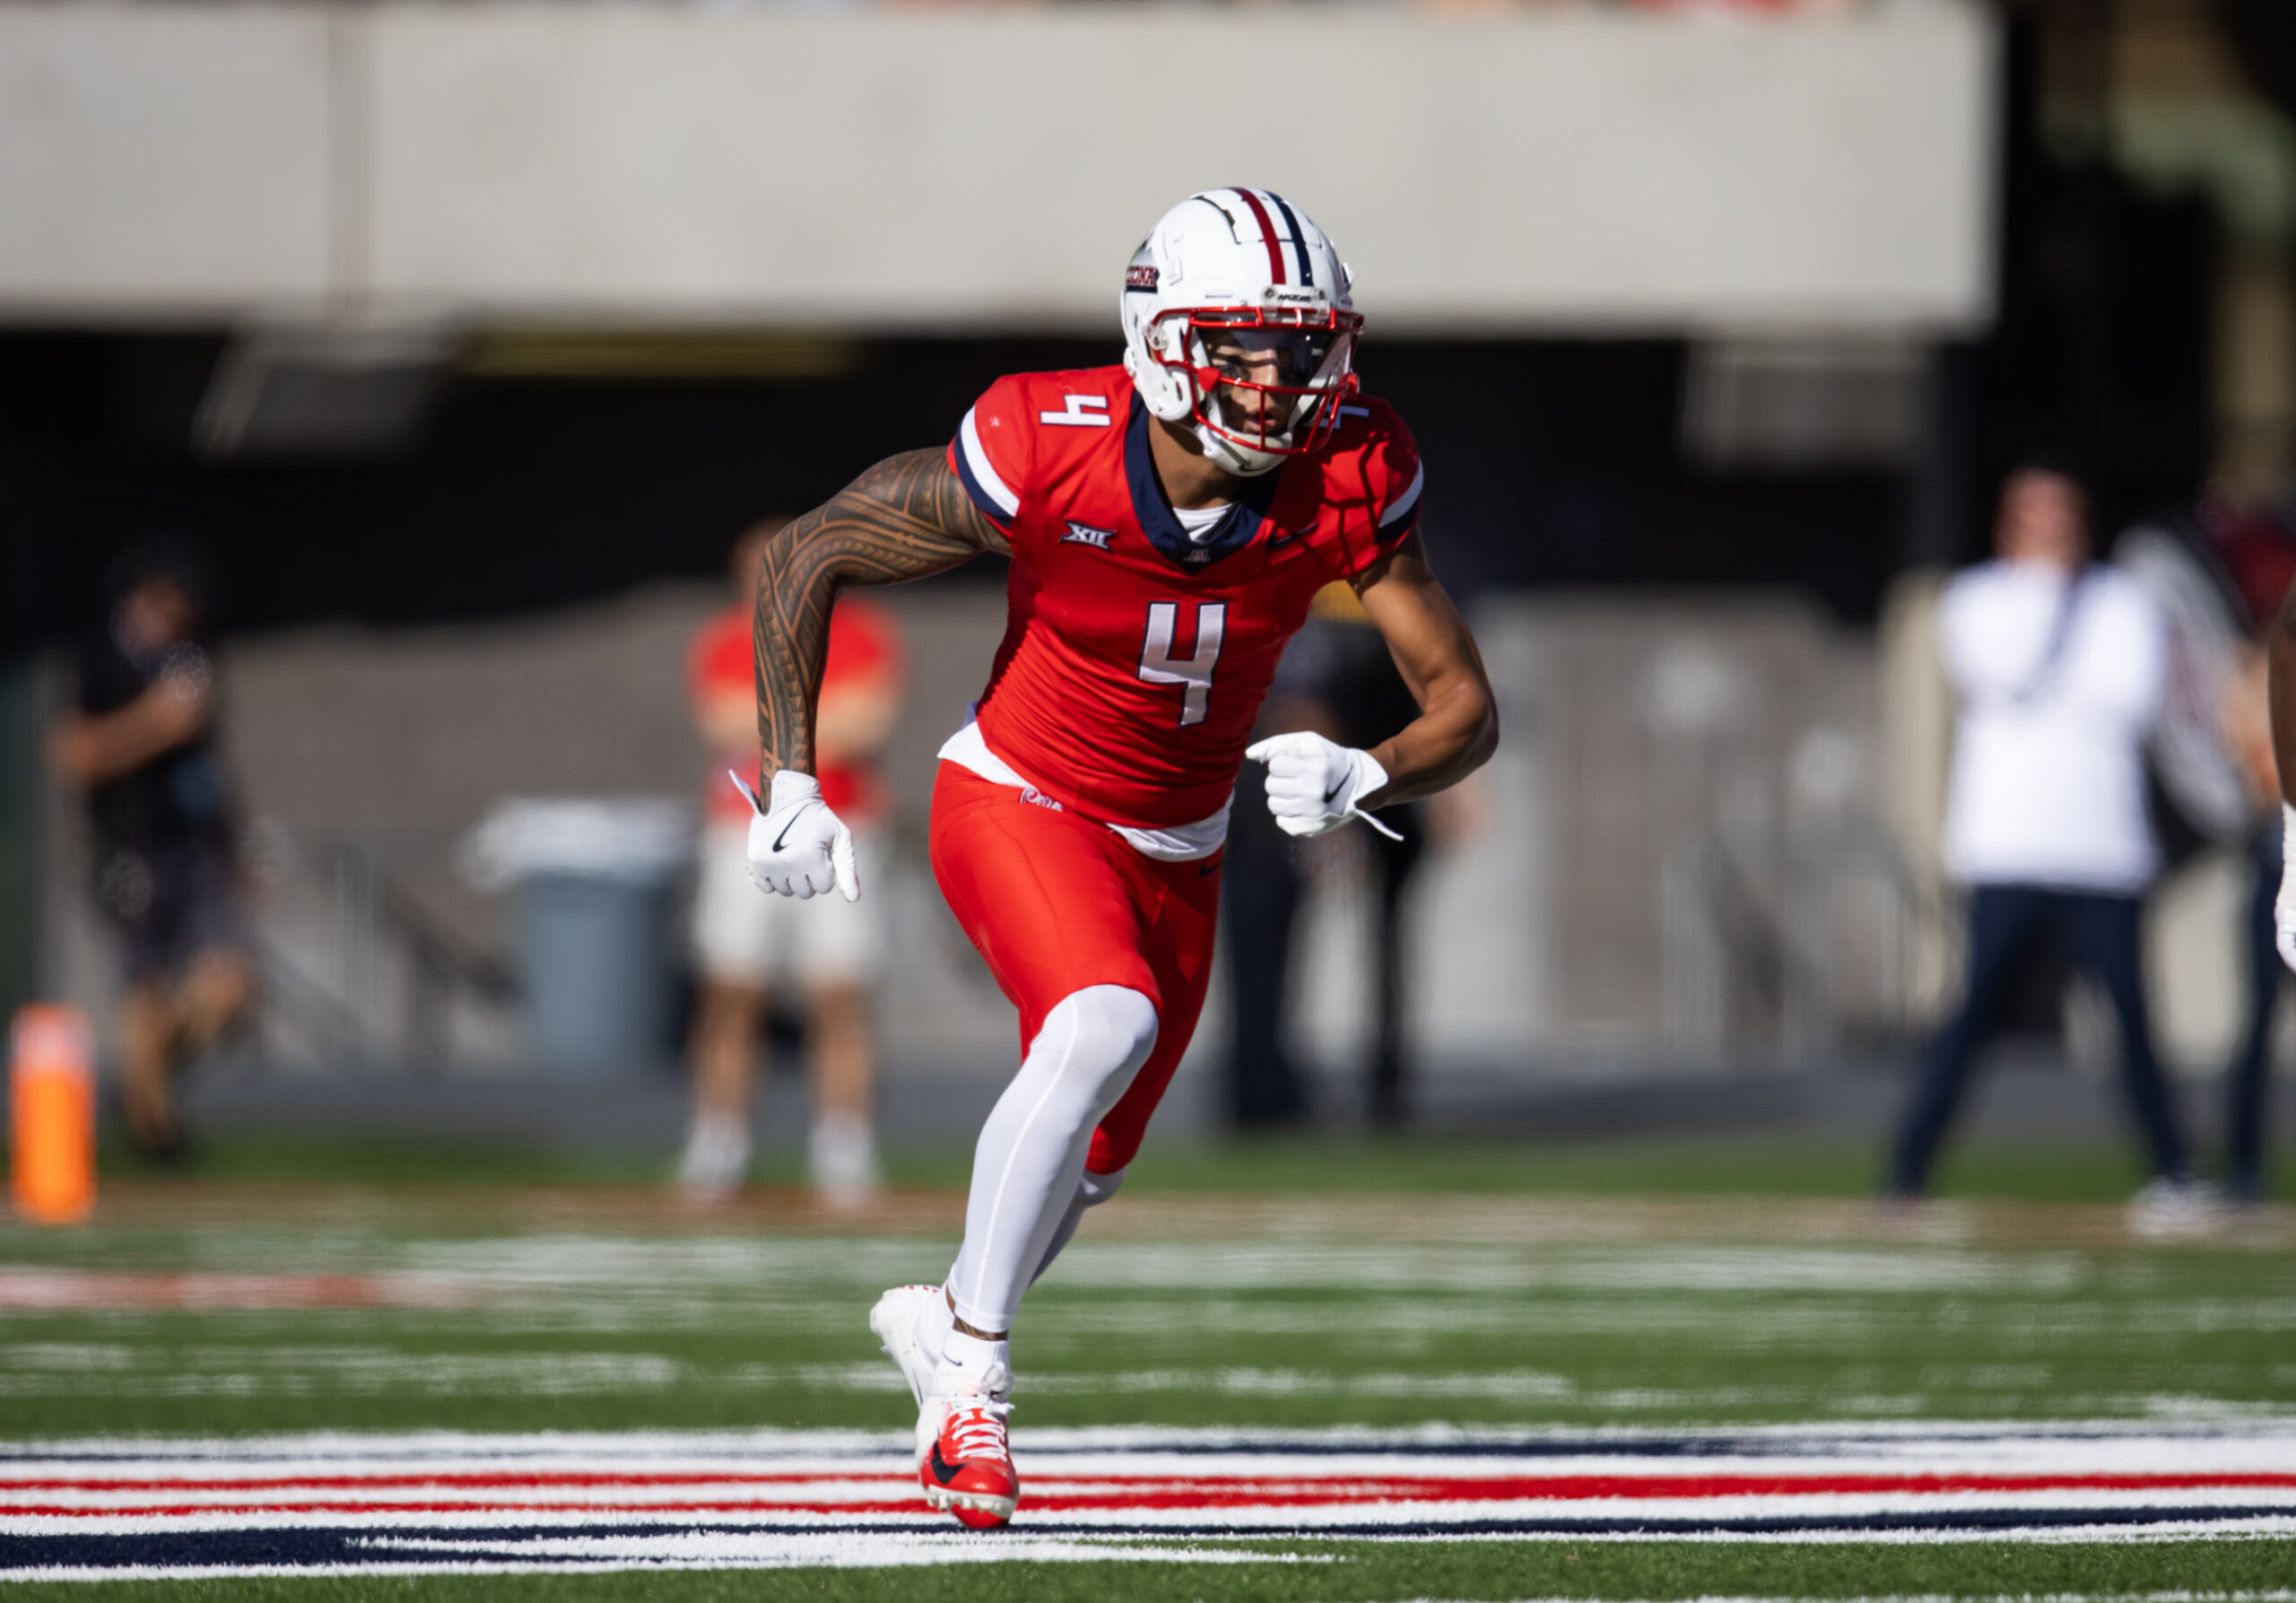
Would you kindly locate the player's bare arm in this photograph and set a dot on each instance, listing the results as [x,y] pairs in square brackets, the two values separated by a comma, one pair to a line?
[91,749]
[1458,726]
[907,517]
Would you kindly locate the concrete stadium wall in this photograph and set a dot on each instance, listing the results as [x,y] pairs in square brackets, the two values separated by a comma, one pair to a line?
[897,169]
[1536,933]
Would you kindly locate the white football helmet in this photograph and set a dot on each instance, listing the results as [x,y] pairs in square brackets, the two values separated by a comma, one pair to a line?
[1234,288]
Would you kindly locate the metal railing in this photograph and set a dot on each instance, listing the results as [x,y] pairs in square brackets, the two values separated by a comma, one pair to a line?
[1810,945]
[358,975]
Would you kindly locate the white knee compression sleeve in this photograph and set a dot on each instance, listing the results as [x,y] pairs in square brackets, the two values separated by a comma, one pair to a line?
[1091,1191]
[1031,1157]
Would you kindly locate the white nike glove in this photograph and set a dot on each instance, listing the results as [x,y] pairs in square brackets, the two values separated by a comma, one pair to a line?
[2283,909]
[1313,783]
[797,846]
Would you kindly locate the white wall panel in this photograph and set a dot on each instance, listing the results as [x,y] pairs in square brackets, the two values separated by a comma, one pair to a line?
[901,169]
[162,163]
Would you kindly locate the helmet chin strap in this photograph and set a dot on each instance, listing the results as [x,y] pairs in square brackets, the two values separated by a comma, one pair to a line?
[1243,460]
[1239,459]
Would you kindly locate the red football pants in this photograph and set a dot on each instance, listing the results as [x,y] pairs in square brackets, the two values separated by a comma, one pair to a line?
[1055,903]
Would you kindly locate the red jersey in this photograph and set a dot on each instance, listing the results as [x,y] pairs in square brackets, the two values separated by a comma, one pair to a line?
[863,642]
[1136,658]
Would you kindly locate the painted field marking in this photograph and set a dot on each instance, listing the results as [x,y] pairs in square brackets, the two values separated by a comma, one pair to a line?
[438,1500]
[2275,1595]
[106,1291]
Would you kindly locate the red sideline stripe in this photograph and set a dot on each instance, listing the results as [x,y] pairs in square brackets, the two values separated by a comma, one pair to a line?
[1243,1492]
[1266,232]
[1447,1487]
[901,1500]
[1596,1488]
[444,1479]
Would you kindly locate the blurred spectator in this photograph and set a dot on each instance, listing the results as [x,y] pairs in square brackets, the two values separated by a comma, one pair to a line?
[1337,680]
[139,742]
[2059,664]
[743,940]
[1753,7]
[2257,552]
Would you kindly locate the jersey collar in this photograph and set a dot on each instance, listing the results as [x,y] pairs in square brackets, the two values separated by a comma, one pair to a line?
[1237,530]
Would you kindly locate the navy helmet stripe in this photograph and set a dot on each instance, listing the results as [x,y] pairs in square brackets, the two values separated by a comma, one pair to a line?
[1298,240]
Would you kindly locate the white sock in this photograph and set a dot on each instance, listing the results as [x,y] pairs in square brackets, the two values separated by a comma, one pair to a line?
[842,1153]
[717,1153]
[970,1365]
[1030,1156]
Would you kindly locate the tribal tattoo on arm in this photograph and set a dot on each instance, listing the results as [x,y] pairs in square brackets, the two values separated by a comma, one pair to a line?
[904,518]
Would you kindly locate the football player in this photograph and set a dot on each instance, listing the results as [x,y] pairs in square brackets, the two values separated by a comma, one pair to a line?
[1169,522]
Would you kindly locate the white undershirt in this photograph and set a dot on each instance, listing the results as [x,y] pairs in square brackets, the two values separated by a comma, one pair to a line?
[1184,844]
[1200,521]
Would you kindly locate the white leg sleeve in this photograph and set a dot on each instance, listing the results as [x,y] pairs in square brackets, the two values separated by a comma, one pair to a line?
[1026,1169]
[1091,1191]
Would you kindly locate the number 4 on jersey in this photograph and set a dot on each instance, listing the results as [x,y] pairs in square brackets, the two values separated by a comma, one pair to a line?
[1158,665]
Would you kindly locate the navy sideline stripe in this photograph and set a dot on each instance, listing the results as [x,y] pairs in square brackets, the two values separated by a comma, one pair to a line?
[373,1544]
[2000,1518]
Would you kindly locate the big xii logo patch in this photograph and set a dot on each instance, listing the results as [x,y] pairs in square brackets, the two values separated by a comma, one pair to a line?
[1084,534]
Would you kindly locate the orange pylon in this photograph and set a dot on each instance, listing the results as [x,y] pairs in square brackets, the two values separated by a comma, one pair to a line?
[52,1114]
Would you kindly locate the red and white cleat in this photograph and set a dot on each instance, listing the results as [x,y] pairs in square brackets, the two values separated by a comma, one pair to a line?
[968,1472]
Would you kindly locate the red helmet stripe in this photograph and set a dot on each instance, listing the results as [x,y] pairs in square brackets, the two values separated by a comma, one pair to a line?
[1266,234]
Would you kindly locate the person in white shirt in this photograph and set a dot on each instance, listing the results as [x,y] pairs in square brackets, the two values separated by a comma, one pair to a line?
[2060,664]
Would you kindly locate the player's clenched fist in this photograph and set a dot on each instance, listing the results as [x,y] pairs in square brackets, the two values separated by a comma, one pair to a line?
[797,846]
[1313,784]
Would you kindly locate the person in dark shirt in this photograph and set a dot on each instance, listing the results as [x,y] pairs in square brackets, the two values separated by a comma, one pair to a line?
[1337,679]
[138,744]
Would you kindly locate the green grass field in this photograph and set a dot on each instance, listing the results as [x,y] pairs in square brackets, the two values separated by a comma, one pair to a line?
[1370,1572]
[1280,1285]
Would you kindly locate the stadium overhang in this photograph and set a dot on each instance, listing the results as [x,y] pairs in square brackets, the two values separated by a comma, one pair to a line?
[886,170]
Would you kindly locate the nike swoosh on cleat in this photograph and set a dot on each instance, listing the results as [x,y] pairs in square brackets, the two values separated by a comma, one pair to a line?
[943,1470]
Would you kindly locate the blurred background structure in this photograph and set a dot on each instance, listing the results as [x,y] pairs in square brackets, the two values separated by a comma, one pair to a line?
[466,338]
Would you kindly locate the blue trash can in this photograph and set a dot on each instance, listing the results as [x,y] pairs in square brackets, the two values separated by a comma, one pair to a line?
[595,881]
[594,959]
